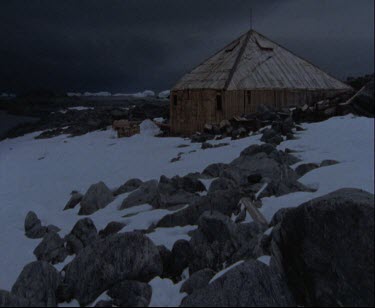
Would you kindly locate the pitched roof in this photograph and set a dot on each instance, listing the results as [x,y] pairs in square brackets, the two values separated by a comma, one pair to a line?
[254,62]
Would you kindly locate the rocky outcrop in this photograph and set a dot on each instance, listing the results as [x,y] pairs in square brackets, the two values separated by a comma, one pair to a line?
[250,284]
[146,193]
[7,299]
[326,249]
[128,256]
[37,284]
[33,226]
[131,294]
[83,234]
[128,186]
[51,249]
[74,200]
[219,242]
[198,280]
[97,197]
[112,228]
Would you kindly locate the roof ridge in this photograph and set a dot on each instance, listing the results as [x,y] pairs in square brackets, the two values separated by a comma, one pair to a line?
[238,59]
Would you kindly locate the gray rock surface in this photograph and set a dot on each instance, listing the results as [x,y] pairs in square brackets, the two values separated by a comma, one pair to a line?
[250,284]
[51,249]
[326,248]
[112,228]
[301,170]
[225,202]
[98,196]
[74,200]
[7,299]
[146,193]
[130,293]
[198,280]
[128,256]
[33,226]
[128,186]
[83,234]
[37,284]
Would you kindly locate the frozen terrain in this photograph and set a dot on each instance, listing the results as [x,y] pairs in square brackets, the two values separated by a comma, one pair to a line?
[39,175]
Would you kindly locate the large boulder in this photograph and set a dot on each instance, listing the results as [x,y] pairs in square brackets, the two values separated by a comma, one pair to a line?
[147,193]
[112,228]
[7,299]
[128,256]
[302,169]
[83,234]
[271,165]
[326,249]
[198,280]
[219,242]
[98,196]
[128,186]
[225,202]
[33,226]
[250,284]
[51,249]
[74,200]
[37,284]
[130,293]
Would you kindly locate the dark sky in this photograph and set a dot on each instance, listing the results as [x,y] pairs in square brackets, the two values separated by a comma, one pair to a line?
[131,45]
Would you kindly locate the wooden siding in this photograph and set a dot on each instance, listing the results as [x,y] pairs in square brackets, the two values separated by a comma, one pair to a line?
[196,108]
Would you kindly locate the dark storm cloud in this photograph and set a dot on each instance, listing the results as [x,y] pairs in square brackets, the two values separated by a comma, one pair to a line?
[129,45]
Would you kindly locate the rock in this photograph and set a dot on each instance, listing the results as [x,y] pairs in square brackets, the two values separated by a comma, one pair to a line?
[223,201]
[221,184]
[254,178]
[74,200]
[206,145]
[128,256]
[7,299]
[198,280]
[328,162]
[326,249]
[271,136]
[250,284]
[97,197]
[269,163]
[131,294]
[33,226]
[37,284]
[219,241]
[104,304]
[214,170]
[83,234]
[129,186]
[51,249]
[180,257]
[112,228]
[301,170]
[146,193]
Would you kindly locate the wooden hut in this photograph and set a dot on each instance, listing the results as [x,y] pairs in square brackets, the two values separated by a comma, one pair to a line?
[250,71]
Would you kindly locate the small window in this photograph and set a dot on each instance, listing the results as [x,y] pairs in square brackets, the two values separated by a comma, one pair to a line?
[219,103]
[175,100]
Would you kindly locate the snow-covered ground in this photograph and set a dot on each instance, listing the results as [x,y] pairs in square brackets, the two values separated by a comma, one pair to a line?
[39,175]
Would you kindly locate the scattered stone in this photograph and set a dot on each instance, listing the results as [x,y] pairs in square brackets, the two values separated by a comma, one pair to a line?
[221,184]
[112,228]
[97,197]
[131,294]
[51,249]
[214,170]
[250,284]
[146,193]
[129,186]
[326,249]
[301,170]
[37,284]
[33,226]
[75,199]
[328,162]
[83,234]
[198,280]
[128,256]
